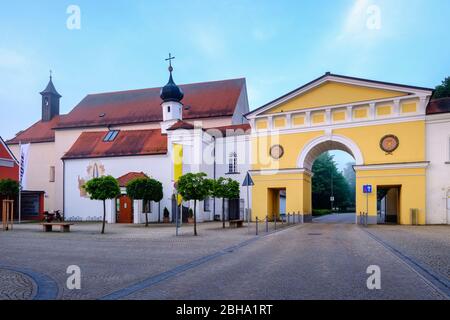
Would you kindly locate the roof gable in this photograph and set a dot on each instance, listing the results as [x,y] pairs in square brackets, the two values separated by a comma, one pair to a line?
[5,152]
[335,90]
[123,180]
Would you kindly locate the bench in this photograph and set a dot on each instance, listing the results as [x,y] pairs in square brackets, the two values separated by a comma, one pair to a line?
[236,223]
[64,227]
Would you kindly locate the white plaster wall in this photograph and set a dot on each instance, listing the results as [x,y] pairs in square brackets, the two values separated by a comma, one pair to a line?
[157,166]
[438,173]
[240,145]
[41,158]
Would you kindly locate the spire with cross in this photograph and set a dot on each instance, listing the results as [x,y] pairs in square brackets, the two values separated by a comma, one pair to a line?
[171,92]
[170,58]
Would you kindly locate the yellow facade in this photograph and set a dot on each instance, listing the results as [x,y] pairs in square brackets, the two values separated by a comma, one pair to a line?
[333,93]
[404,168]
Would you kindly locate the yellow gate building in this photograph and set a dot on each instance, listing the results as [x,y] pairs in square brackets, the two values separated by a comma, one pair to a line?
[382,125]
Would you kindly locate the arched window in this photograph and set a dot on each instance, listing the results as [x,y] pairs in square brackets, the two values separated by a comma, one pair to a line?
[232,163]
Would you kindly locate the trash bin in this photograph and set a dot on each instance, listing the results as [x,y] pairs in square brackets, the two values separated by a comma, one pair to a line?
[414,217]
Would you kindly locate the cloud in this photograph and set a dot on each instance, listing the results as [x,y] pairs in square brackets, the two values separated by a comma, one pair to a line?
[12,60]
[260,34]
[210,42]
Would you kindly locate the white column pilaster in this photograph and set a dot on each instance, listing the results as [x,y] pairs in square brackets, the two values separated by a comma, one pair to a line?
[396,110]
[270,123]
[288,121]
[372,111]
[308,118]
[422,105]
[349,114]
[328,116]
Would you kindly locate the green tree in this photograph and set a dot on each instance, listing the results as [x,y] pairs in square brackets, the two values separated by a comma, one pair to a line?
[325,174]
[146,189]
[103,188]
[442,90]
[350,176]
[225,188]
[194,186]
[9,188]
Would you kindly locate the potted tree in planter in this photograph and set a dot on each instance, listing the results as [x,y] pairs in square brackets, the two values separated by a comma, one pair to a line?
[190,216]
[103,188]
[166,217]
[146,189]
[194,186]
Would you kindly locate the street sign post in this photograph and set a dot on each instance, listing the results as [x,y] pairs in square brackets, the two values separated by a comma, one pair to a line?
[248,182]
[367,189]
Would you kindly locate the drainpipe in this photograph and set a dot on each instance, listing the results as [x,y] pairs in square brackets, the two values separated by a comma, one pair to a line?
[64,191]
[214,176]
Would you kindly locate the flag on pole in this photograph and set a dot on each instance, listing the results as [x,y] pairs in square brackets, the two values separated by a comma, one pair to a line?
[24,150]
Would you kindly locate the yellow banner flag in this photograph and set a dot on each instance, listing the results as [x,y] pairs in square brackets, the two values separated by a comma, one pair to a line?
[177,165]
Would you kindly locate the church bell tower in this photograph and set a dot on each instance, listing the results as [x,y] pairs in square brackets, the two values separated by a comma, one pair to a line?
[171,95]
[50,101]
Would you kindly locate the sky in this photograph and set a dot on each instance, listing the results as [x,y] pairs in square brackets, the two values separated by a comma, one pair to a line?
[276,45]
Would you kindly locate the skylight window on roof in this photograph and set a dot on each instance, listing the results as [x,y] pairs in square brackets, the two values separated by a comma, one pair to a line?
[111,136]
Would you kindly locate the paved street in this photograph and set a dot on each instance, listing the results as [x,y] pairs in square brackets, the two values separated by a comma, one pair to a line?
[326,259]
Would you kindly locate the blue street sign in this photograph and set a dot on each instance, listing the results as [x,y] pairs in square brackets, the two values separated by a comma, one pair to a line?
[367,188]
[248,181]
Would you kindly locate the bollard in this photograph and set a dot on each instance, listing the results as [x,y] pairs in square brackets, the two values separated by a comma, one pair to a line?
[257,220]
[366,222]
[289,218]
[275,221]
[267,223]
[293,217]
[302,221]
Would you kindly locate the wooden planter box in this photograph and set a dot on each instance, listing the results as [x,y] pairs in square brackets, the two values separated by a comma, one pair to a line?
[166,220]
[191,220]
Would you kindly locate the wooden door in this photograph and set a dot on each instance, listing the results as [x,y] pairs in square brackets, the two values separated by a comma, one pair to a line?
[125,210]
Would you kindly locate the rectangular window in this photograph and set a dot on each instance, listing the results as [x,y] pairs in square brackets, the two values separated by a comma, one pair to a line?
[52,174]
[6,163]
[207,205]
[111,136]
[232,163]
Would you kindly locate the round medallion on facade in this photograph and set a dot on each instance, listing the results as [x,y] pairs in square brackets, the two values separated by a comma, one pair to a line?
[276,151]
[389,143]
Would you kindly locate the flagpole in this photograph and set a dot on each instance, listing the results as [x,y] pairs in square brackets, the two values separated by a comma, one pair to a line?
[20,182]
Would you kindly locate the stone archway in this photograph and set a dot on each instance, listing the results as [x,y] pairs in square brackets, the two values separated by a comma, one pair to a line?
[314,148]
[319,145]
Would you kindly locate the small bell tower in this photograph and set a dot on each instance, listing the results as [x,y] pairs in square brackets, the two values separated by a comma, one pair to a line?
[171,95]
[50,101]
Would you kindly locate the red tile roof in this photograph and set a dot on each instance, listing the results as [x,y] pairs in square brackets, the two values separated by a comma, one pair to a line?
[182,125]
[41,131]
[127,143]
[202,100]
[232,130]
[5,152]
[439,106]
[123,180]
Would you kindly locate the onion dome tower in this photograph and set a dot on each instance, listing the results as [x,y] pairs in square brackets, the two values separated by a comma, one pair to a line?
[171,95]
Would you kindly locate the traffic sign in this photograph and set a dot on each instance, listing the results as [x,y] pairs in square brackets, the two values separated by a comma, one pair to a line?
[248,181]
[367,188]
